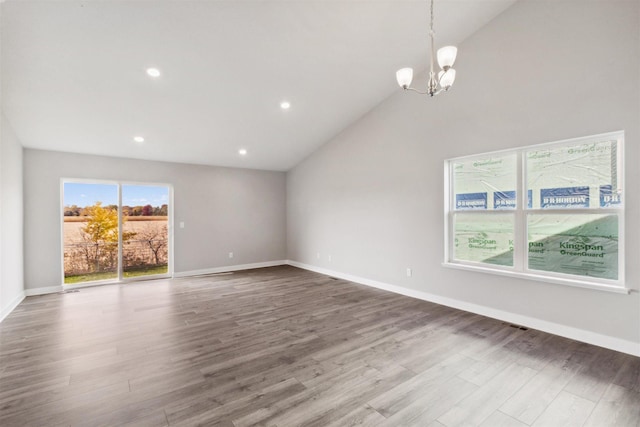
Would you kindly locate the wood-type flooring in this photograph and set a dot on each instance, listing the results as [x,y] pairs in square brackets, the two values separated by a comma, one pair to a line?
[282,347]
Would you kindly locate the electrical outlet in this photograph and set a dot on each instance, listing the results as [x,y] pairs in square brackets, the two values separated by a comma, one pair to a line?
[230,254]
[318,255]
[181,224]
[408,272]
[329,258]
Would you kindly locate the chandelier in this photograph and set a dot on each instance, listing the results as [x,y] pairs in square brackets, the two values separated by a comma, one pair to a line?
[446,57]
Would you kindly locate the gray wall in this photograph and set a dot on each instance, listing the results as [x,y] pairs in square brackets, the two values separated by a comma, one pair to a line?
[224,210]
[11,256]
[372,198]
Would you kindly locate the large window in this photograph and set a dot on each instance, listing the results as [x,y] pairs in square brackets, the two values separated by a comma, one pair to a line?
[552,212]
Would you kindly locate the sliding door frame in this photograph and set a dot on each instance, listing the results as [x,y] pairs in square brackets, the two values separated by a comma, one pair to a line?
[120,277]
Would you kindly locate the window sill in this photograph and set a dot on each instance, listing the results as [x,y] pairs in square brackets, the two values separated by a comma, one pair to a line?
[539,278]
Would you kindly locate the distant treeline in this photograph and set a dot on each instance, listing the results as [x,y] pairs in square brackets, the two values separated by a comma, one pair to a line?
[146,210]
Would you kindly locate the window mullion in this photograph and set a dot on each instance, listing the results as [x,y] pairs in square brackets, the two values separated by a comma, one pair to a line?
[120,243]
[520,237]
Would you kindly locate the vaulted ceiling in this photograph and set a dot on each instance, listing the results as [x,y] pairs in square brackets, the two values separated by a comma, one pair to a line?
[74,72]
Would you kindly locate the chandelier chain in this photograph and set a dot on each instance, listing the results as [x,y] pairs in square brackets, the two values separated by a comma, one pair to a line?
[431,23]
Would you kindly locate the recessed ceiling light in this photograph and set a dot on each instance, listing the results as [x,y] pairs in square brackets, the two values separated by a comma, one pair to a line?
[285,105]
[242,152]
[153,72]
[138,139]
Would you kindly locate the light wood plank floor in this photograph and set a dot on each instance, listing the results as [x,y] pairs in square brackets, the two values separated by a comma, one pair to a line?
[286,347]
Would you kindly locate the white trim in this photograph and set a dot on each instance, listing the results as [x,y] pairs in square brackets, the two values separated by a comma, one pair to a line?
[229,268]
[577,334]
[61,288]
[170,232]
[611,134]
[120,242]
[12,305]
[80,285]
[43,291]
[138,279]
[576,283]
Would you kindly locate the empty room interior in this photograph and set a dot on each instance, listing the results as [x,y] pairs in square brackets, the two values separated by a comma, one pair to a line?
[320,213]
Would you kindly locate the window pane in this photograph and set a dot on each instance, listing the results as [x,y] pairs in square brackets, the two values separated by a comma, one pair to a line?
[584,245]
[485,184]
[90,232]
[485,237]
[145,210]
[574,176]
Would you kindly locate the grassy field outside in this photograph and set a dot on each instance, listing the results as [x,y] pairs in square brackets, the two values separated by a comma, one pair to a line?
[106,275]
[145,252]
[90,277]
[145,271]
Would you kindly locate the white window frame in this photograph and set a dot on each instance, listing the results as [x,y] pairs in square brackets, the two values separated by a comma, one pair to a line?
[520,260]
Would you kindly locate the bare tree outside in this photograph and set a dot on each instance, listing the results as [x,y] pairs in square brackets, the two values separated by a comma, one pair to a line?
[156,239]
[149,248]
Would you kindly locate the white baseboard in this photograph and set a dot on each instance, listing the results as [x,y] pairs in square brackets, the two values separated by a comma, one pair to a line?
[229,268]
[12,305]
[53,289]
[43,291]
[582,335]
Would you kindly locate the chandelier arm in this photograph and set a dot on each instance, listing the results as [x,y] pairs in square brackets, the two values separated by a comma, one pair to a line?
[416,90]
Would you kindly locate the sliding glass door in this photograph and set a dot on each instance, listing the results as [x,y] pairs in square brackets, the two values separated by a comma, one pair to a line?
[145,230]
[114,231]
[90,227]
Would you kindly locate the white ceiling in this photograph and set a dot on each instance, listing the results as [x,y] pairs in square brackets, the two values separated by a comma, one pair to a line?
[73,72]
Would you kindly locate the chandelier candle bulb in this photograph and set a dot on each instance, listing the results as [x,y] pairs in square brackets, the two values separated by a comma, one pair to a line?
[447,56]
[404,76]
[447,78]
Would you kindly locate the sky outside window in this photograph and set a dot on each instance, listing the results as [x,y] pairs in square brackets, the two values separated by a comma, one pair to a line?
[81,194]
